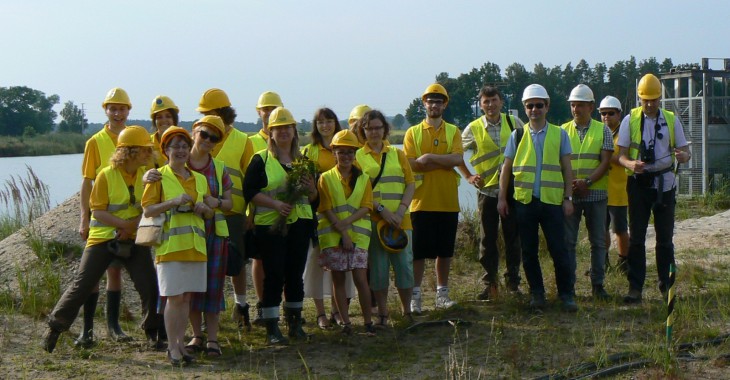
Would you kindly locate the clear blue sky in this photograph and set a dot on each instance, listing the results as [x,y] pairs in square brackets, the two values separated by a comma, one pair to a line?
[333,53]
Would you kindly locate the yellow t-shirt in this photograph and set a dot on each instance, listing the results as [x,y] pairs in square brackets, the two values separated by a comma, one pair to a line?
[439,191]
[407,172]
[325,197]
[153,195]
[92,159]
[617,179]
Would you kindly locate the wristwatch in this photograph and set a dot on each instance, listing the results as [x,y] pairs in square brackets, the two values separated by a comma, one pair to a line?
[568,198]
[588,182]
[380,208]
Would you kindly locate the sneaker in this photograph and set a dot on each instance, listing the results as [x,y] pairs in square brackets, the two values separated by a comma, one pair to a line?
[50,338]
[416,305]
[600,294]
[537,301]
[259,313]
[633,297]
[444,302]
[241,317]
[569,304]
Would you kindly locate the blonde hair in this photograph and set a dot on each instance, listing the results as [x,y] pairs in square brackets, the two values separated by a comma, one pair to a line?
[124,154]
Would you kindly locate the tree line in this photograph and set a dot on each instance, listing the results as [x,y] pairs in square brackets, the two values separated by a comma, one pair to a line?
[618,80]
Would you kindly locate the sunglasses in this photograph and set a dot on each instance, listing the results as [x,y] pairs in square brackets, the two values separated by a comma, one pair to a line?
[609,113]
[208,136]
[539,106]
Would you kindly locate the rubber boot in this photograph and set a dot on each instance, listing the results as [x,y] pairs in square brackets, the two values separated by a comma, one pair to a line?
[273,334]
[294,323]
[113,299]
[86,338]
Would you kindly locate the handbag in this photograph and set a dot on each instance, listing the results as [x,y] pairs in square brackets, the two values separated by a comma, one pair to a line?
[149,232]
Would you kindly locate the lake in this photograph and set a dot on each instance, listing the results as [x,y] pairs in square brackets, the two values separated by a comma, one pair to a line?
[62,174]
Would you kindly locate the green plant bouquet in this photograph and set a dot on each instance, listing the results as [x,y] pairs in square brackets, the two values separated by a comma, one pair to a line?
[301,168]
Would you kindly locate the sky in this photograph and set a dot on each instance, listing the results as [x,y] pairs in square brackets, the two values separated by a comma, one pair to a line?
[326,53]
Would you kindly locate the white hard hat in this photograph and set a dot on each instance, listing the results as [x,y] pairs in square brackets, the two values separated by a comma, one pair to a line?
[581,93]
[610,102]
[535,91]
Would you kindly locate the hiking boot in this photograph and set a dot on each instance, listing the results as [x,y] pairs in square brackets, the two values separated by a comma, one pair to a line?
[50,338]
[416,305]
[537,301]
[444,302]
[241,317]
[600,294]
[294,323]
[273,334]
[569,304]
[489,293]
[259,315]
[85,339]
[633,297]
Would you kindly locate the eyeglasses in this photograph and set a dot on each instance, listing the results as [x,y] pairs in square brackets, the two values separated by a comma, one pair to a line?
[132,198]
[205,135]
[435,102]
[345,152]
[609,113]
[539,106]
[179,147]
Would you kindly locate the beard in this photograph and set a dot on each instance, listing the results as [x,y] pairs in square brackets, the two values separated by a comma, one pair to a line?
[434,114]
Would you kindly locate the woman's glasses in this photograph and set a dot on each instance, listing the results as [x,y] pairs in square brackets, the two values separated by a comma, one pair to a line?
[209,136]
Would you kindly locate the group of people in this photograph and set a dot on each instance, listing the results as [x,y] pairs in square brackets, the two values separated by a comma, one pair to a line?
[364,207]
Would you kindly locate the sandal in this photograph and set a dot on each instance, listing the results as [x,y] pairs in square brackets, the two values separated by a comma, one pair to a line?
[213,351]
[336,319]
[323,322]
[370,329]
[195,348]
[347,328]
[382,321]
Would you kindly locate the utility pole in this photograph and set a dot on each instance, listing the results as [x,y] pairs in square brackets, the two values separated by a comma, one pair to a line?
[83,118]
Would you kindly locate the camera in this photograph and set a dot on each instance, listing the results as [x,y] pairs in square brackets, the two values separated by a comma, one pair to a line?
[646,153]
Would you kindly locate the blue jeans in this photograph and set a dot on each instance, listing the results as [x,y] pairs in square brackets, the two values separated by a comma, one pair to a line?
[550,218]
[641,206]
[595,213]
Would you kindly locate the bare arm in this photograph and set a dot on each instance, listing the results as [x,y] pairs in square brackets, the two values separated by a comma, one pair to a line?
[637,166]
[86,185]
[431,161]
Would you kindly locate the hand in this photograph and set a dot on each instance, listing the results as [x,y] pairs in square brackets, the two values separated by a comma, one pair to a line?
[84,228]
[152,175]
[475,180]
[202,209]
[502,207]
[284,209]
[211,201]
[347,243]
[637,166]
[341,226]
[682,156]
[580,188]
[183,199]
[567,207]
[392,218]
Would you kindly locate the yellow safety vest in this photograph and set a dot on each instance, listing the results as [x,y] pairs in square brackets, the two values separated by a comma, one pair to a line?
[260,141]
[343,208]
[119,203]
[617,178]
[587,155]
[231,153]
[275,188]
[418,138]
[221,227]
[311,151]
[552,185]
[488,155]
[635,129]
[181,231]
[106,147]
[392,184]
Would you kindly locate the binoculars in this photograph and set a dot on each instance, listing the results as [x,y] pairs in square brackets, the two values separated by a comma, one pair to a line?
[646,154]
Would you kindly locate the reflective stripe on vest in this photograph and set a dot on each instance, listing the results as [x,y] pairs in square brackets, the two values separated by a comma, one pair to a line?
[418,139]
[525,163]
[635,129]
[343,208]
[231,153]
[587,154]
[488,155]
[106,147]
[119,205]
[392,184]
[276,188]
[182,230]
[221,227]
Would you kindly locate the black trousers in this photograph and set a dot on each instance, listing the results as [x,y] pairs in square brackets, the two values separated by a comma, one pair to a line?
[488,251]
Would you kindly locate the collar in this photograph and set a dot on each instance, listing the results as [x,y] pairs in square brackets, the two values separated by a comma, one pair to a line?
[488,123]
[368,149]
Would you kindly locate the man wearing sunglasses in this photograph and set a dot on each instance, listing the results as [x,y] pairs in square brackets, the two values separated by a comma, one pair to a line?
[543,180]
[649,140]
[618,199]
[592,146]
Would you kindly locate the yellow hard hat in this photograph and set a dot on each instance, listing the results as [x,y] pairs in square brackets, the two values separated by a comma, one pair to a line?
[116,96]
[649,87]
[357,112]
[346,138]
[213,99]
[435,89]
[161,103]
[281,116]
[172,132]
[134,135]
[269,99]
[392,239]
[214,121]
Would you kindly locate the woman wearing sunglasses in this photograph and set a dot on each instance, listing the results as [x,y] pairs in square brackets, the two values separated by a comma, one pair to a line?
[115,214]
[181,258]
[207,133]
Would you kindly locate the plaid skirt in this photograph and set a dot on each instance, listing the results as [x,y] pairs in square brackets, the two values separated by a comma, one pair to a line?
[212,301]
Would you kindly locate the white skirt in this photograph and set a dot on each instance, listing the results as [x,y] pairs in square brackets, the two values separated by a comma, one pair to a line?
[318,282]
[178,277]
